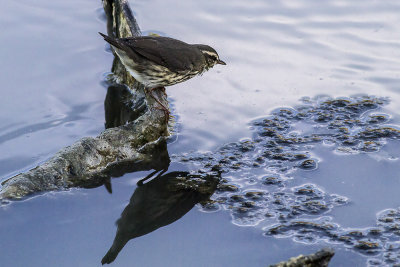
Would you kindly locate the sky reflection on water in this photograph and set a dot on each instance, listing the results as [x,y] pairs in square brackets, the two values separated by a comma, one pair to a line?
[53,63]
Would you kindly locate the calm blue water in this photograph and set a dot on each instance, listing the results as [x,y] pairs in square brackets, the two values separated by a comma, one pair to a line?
[53,63]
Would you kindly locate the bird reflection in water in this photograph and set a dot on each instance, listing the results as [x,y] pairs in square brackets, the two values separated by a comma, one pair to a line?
[159,202]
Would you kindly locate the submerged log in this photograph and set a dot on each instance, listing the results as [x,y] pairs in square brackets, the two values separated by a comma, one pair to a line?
[319,259]
[134,136]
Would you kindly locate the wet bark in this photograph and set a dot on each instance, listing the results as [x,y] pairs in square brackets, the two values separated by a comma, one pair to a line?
[133,141]
[319,259]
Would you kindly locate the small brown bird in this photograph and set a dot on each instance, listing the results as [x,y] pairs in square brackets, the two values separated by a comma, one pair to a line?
[157,61]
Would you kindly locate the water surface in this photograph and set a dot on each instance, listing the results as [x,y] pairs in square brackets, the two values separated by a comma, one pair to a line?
[53,65]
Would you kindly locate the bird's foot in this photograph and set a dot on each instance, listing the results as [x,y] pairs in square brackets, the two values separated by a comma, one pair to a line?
[162,107]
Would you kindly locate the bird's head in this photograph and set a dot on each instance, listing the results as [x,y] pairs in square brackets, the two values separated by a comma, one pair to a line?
[210,55]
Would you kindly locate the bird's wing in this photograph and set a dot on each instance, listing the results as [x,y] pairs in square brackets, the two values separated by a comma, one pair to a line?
[167,52]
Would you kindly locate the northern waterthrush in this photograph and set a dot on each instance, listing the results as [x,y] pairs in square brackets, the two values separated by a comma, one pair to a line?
[157,61]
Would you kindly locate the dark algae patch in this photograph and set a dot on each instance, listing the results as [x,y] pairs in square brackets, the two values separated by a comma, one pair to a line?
[256,174]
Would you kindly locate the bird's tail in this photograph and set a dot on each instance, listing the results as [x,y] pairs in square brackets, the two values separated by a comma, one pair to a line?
[111,40]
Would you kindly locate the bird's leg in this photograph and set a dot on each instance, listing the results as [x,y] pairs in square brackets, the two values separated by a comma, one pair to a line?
[166,111]
[140,182]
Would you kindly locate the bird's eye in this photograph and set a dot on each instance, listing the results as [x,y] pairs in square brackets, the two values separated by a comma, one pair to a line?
[212,57]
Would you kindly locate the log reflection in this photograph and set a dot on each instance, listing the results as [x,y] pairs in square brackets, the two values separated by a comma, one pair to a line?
[120,107]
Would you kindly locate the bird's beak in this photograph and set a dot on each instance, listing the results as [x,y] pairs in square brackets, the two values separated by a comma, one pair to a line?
[221,62]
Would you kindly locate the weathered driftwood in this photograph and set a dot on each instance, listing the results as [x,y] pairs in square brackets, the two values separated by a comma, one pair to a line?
[126,146]
[319,259]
